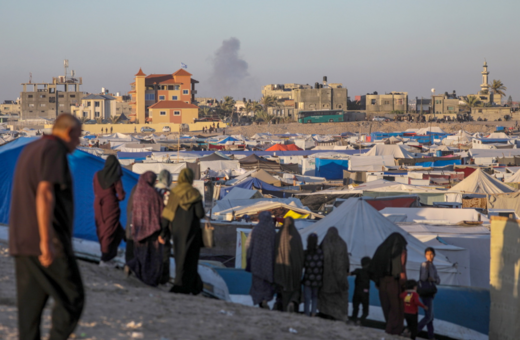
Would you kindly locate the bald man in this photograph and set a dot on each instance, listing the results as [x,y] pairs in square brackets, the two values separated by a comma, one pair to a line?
[40,233]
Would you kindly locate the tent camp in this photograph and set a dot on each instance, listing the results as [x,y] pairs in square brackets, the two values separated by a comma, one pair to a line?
[364,229]
[216,156]
[397,151]
[254,162]
[481,183]
[83,166]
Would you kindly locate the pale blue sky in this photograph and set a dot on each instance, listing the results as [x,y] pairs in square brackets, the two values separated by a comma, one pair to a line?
[368,45]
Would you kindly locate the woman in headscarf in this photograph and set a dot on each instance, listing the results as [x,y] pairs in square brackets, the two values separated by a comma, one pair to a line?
[162,186]
[288,266]
[333,295]
[260,259]
[388,271]
[108,191]
[146,227]
[181,219]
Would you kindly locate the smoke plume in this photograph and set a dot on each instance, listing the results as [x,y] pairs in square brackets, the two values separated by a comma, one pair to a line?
[230,75]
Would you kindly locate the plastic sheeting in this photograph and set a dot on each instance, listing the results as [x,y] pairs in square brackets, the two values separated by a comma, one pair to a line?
[370,163]
[364,229]
[397,151]
[219,165]
[83,166]
[251,183]
[331,168]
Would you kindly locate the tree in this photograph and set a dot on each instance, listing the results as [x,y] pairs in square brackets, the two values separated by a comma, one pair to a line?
[269,101]
[263,115]
[226,106]
[83,119]
[252,106]
[510,101]
[472,101]
[205,111]
[498,87]
[114,119]
[99,120]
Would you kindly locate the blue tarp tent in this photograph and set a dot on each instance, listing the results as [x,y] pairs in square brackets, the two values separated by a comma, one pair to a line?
[82,166]
[331,168]
[249,184]
[228,139]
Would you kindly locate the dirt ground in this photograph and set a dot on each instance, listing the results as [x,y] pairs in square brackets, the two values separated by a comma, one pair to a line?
[119,308]
[363,127]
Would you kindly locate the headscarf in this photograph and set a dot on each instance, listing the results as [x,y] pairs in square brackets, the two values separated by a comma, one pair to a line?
[111,173]
[182,195]
[260,247]
[164,180]
[289,257]
[147,207]
[387,258]
[336,262]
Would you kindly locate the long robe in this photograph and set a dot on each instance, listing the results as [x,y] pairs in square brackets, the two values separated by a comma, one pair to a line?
[106,215]
[187,240]
[333,295]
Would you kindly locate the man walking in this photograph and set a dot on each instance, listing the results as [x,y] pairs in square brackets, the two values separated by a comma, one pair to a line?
[40,233]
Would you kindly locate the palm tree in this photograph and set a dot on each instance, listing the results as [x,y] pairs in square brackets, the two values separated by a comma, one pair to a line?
[498,87]
[205,111]
[99,120]
[263,115]
[472,101]
[114,119]
[83,119]
[269,101]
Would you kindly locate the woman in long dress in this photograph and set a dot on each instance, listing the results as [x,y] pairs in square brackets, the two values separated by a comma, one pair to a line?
[162,186]
[146,222]
[333,295]
[288,266]
[108,192]
[260,259]
[181,220]
[388,271]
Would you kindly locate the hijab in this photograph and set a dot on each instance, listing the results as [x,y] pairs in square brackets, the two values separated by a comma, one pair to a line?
[183,195]
[111,173]
[147,207]
[387,258]
[289,257]
[260,247]
[336,262]
[164,180]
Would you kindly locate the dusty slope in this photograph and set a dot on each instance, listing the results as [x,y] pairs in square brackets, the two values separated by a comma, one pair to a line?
[113,303]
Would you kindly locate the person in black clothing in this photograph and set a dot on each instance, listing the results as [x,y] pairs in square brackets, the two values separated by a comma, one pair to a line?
[361,290]
[313,278]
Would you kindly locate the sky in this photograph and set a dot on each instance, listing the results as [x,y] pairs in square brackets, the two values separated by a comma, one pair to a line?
[235,47]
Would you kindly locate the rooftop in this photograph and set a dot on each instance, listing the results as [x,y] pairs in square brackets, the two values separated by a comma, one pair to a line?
[173,104]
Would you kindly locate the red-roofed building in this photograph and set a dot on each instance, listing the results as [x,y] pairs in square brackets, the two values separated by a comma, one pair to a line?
[148,90]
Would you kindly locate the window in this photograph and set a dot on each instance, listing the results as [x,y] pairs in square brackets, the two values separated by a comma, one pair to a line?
[176,113]
[399,102]
[451,108]
[73,96]
[89,103]
[42,96]
[60,96]
[31,105]
[62,104]
[373,102]
[97,114]
[170,87]
[161,97]
[176,87]
[52,90]
[52,99]
[6,108]
[42,105]
[96,104]
[386,102]
[163,113]
[437,102]
[30,96]
[85,114]
[174,98]
[185,91]
[149,96]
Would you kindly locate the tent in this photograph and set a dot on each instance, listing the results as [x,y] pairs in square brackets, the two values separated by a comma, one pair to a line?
[267,178]
[251,183]
[364,229]
[242,194]
[82,166]
[397,151]
[281,147]
[515,178]
[427,130]
[228,139]
[216,156]
[331,168]
[254,162]
[481,183]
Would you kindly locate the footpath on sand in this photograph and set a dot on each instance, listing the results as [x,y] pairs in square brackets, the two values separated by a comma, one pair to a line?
[119,308]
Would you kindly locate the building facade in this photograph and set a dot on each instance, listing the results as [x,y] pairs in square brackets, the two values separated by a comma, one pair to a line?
[95,106]
[173,111]
[48,100]
[445,103]
[282,91]
[386,103]
[154,88]
[9,107]
[486,95]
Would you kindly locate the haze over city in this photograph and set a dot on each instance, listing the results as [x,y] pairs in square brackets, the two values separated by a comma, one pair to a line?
[234,48]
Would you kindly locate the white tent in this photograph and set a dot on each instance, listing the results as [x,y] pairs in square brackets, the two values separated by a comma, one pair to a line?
[481,183]
[397,151]
[514,179]
[426,130]
[242,194]
[364,229]
[370,163]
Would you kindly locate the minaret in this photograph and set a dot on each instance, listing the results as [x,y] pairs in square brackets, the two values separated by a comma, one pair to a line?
[484,88]
[140,89]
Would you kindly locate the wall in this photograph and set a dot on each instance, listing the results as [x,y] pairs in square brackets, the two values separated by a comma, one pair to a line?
[187,116]
[321,99]
[129,128]
[492,113]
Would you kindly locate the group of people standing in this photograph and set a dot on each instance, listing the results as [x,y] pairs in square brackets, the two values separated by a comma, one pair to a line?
[157,216]
[280,267]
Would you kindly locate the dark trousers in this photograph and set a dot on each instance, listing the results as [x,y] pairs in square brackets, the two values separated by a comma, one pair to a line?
[392,304]
[311,300]
[35,284]
[427,320]
[411,322]
[360,298]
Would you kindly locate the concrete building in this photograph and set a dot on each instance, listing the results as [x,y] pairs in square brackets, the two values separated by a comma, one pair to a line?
[285,109]
[9,107]
[445,103]
[421,105]
[386,103]
[173,111]
[322,97]
[94,106]
[149,90]
[486,95]
[283,91]
[48,100]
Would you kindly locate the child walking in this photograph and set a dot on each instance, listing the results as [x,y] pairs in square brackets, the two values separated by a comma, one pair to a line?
[411,307]
[361,291]
[313,277]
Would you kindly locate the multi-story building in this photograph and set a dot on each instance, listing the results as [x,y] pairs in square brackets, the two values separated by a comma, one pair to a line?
[284,109]
[48,100]
[173,111]
[154,88]
[486,95]
[95,106]
[282,91]
[445,103]
[9,107]
[386,103]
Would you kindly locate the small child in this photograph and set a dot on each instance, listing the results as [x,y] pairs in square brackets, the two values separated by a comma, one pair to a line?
[411,306]
[313,277]
[361,290]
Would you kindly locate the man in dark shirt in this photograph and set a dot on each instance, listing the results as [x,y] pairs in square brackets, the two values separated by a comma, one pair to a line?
[361,290]
[40,233]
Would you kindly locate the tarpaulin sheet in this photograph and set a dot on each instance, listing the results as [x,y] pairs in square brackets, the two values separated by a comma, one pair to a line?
[83,166]
[393,202]
[331,168]
[251,183]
